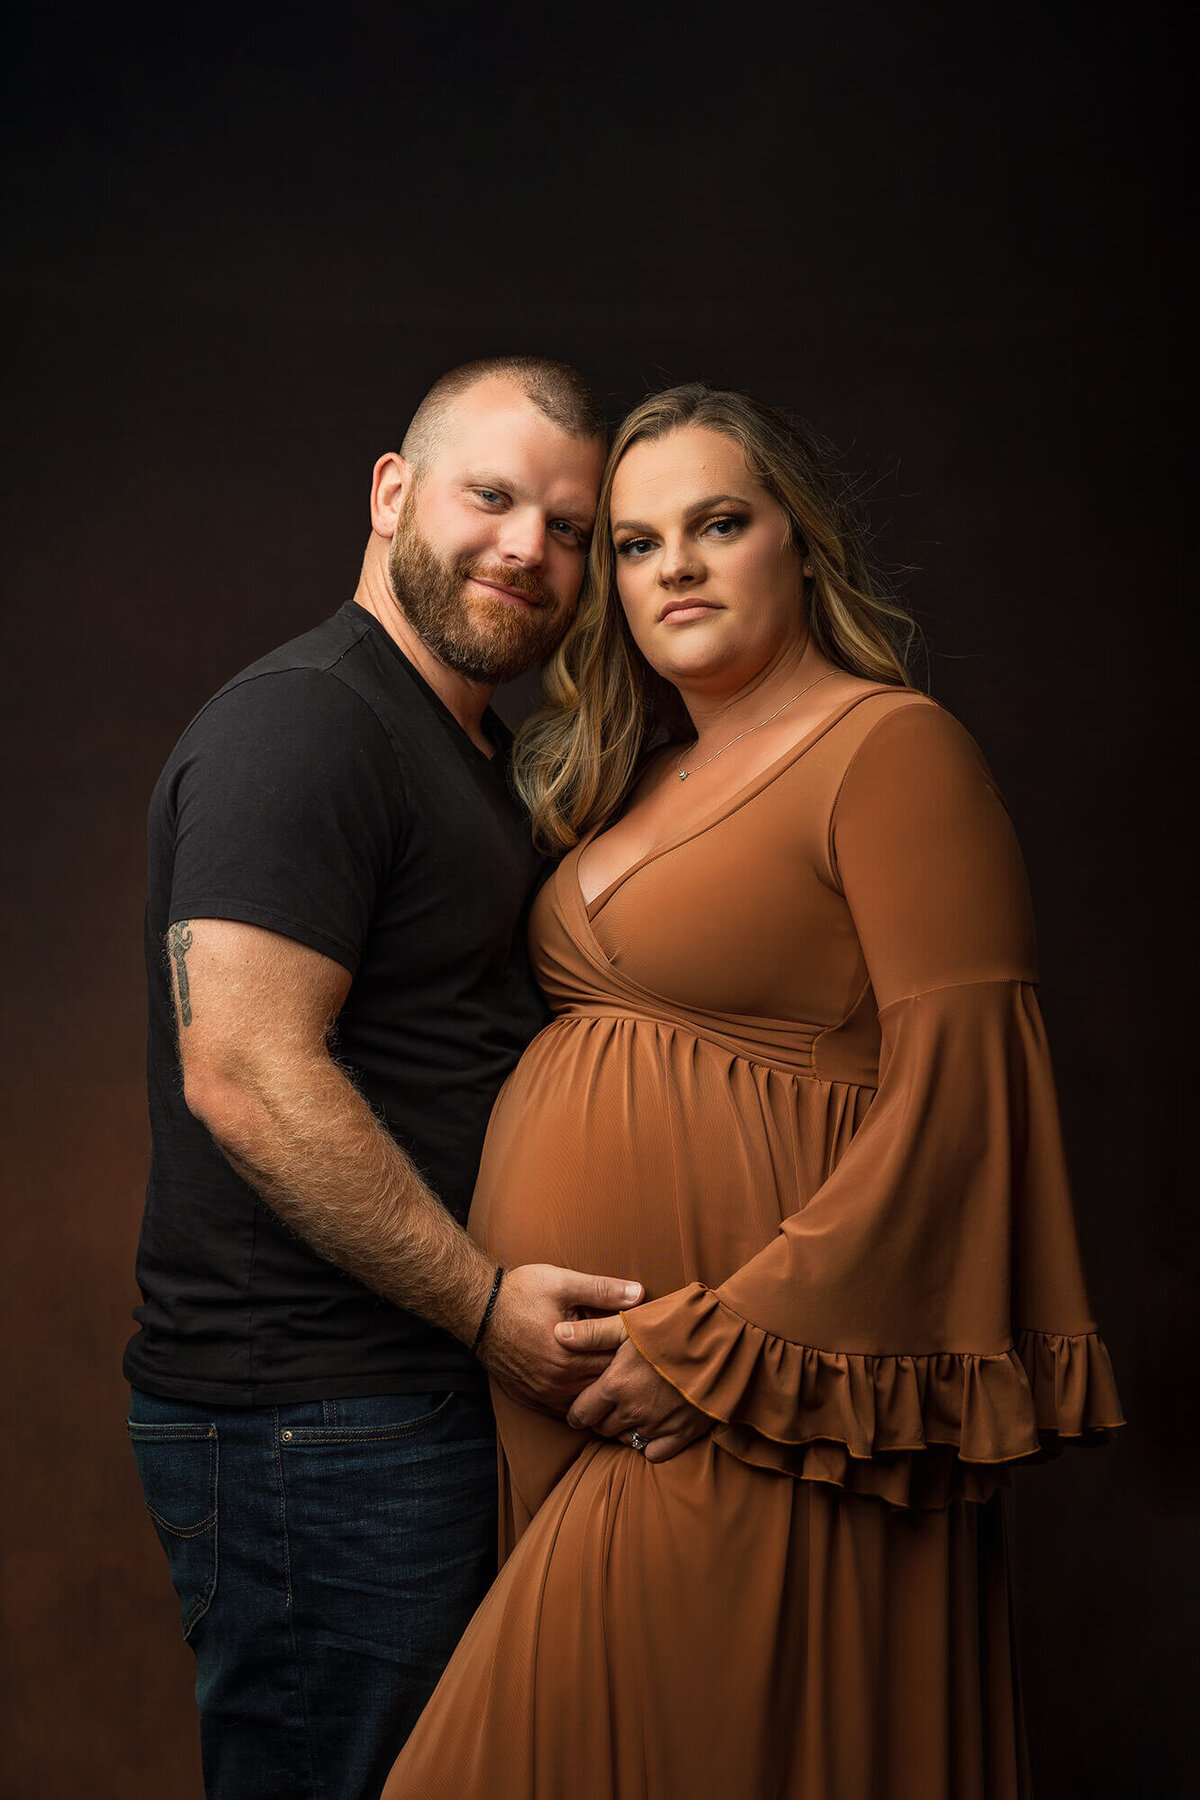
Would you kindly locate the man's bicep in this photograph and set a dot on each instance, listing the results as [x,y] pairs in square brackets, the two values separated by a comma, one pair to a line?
[242,992]
[285,812]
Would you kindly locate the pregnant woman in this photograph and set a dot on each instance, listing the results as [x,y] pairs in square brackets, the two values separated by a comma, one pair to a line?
[797,1085]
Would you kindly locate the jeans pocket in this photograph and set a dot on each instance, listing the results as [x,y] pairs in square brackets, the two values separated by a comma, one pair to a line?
[177,1464]
[383,1471]
[374,1419]
[391,1521]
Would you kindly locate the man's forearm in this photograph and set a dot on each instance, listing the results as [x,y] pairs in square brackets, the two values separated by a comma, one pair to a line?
[254,1011]
[309,1143]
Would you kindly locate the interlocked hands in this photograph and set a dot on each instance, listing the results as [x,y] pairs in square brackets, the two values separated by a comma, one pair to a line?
[629,1396]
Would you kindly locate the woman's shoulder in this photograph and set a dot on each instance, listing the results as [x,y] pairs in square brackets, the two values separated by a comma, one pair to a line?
[903,749]
[873,716]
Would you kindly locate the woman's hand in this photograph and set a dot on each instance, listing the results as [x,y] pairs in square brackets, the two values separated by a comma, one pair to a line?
[630,1395]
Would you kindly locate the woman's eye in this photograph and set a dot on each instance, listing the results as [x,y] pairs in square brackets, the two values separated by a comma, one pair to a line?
[633,547]
[725,526]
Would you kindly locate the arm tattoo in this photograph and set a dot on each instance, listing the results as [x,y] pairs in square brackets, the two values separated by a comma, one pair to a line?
[179,942]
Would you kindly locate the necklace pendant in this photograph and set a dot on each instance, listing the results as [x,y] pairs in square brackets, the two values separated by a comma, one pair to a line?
[682,773]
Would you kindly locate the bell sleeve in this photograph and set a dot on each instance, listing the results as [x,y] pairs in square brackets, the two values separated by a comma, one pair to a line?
[922,1321]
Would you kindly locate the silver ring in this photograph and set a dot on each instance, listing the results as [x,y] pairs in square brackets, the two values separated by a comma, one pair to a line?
[636,1441]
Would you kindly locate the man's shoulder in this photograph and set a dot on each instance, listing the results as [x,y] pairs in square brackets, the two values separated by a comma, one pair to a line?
[316,684]
[326,649]
[308,713]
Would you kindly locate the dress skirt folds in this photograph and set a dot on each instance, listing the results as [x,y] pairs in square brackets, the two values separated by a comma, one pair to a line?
[797,1085]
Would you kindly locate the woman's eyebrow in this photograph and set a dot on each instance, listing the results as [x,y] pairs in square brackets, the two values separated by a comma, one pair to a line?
[690,512]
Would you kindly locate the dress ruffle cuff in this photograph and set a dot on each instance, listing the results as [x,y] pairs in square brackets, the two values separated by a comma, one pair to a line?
[912,1430]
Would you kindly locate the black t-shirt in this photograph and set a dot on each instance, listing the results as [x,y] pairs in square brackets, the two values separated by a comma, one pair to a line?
[327,794]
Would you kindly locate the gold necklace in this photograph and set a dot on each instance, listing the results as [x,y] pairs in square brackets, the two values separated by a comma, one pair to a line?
[684,773]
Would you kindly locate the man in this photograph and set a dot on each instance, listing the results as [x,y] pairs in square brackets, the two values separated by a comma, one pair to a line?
[338,884]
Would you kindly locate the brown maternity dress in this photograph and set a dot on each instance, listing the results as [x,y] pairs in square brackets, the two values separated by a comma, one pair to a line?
[797,1085]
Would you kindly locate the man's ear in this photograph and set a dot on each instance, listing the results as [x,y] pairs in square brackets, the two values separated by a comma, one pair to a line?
[391,482]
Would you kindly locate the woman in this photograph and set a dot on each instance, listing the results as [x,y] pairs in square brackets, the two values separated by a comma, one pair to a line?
[797,1085]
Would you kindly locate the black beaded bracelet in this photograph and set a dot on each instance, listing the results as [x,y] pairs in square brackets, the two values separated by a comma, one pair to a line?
[487,1311]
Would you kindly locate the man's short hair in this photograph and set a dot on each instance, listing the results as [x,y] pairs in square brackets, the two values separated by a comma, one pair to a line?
[554,388]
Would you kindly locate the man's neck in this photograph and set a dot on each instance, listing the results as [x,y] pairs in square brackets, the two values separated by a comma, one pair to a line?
[467,700]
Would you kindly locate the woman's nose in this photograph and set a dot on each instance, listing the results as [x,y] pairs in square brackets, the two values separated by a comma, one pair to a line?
[678,566]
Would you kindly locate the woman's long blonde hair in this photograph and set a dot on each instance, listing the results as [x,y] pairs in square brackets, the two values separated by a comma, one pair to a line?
[576,757]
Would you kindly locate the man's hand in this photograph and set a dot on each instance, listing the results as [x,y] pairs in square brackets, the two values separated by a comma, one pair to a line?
[521,1347]
[631,1396]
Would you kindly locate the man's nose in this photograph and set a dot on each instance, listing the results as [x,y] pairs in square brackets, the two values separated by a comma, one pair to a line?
[523,538]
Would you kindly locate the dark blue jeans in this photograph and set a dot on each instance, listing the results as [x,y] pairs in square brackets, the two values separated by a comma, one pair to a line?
[327,1558]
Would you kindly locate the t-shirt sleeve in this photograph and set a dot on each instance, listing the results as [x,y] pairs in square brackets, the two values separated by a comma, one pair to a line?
[288,811]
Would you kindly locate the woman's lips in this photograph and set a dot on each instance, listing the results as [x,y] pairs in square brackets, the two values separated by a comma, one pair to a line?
[679,612]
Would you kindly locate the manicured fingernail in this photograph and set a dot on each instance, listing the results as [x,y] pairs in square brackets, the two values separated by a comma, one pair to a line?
[564,1330]
[632,1290]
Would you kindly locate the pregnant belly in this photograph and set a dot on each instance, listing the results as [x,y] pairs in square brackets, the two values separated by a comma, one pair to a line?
[626,1147]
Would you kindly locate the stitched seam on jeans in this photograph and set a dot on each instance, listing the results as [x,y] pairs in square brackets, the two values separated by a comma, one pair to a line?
[364,1434]
[184,1531]
[183,1434]
[297,1661]
[207,1597]
[303,1435]
[283,1536]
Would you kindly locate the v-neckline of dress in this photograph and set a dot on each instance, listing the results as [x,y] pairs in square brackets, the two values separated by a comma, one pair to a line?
[725,810]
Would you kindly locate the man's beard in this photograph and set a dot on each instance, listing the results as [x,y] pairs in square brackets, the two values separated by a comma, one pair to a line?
[488,641]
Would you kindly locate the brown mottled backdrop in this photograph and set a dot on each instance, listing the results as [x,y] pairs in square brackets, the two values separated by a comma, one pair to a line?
[954,238]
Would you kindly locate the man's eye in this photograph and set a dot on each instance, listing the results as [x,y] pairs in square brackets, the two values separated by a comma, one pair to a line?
[563,528]
[489,496]
[633,546]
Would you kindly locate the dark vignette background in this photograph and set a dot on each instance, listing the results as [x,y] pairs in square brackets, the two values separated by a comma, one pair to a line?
[952,237]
